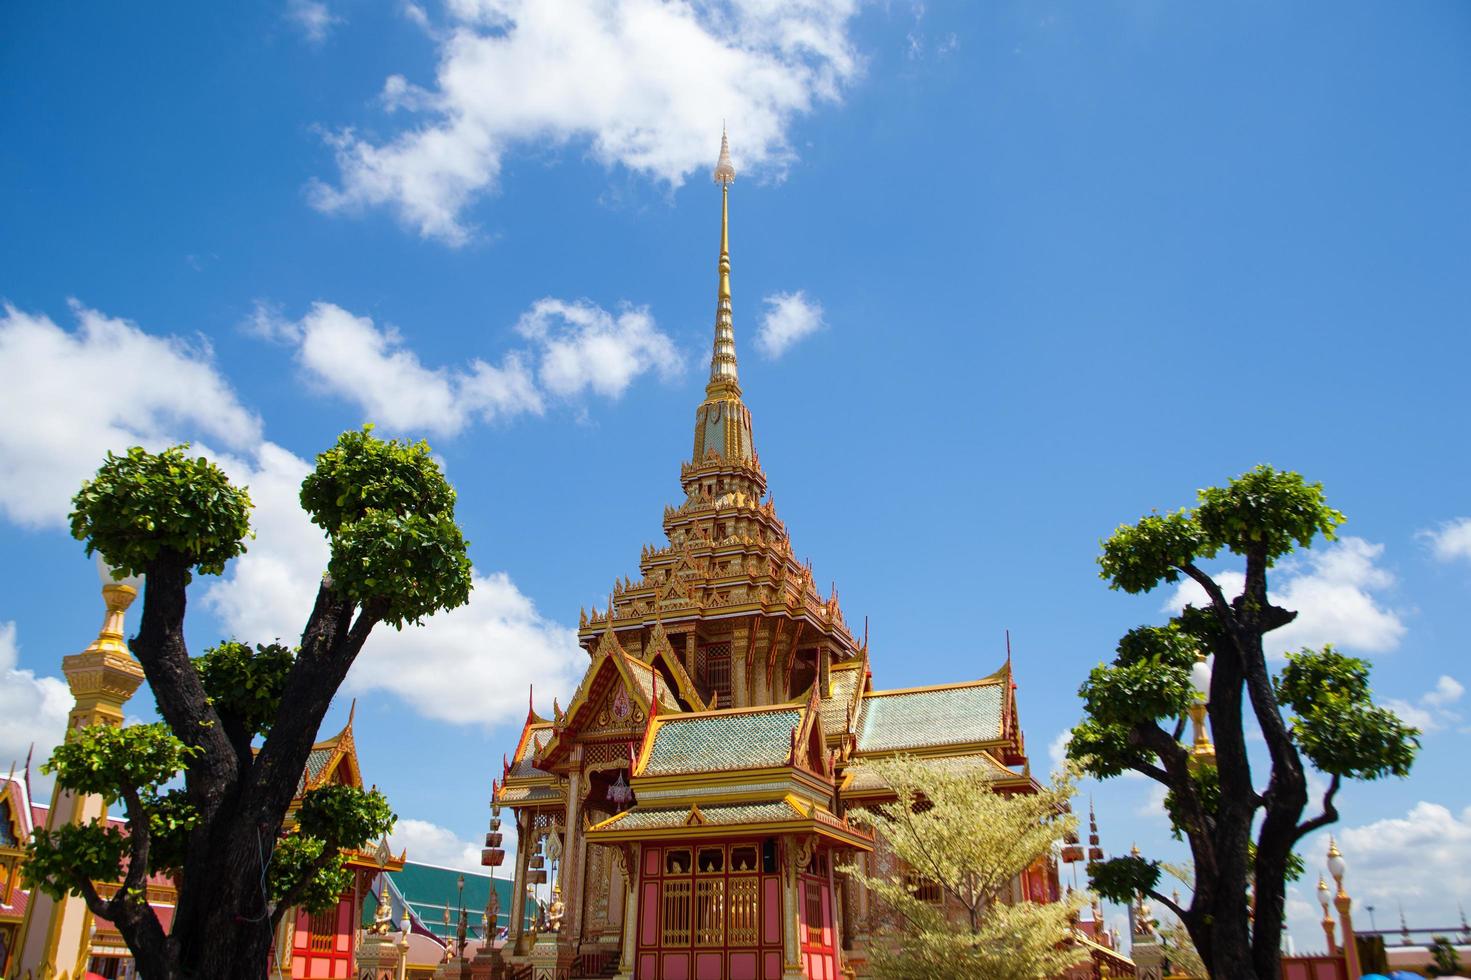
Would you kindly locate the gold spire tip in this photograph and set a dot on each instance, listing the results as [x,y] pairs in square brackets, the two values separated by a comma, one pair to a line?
[724,170]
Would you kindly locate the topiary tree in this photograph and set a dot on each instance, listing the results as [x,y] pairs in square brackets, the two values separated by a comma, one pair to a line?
[967,843]
[1445,961]
[239,721]
[1317,710]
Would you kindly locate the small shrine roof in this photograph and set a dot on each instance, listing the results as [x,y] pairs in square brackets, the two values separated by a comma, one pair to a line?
[926,717]
[845,683]
[537,739]
[981,765]
[519,793]
[779,811]
[718,741]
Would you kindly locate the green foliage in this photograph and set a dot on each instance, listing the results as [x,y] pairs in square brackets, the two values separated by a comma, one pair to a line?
[332,818]
[1265,509]
[102,758]
[307,865]
[345,816]
[1104,750]
[58,861]
[170,819]
[971,842]
[1136,693]
[390,515]
[142,504]
[1122,879]
[362,474]
[1206,780]
[1334,721]
[246,683]
[1137,557]
[1444,960]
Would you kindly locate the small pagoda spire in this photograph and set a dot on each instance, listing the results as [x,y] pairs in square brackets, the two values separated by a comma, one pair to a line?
[723,378]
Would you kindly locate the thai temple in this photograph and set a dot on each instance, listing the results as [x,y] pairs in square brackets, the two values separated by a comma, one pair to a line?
[685,816]
[693,794]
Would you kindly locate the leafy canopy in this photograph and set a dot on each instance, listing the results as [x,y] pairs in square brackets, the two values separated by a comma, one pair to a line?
[1264,510]
[389,513]
[246,683]
[141,505]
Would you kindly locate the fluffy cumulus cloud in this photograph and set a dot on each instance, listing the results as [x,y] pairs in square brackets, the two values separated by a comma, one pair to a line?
[582,347]
[473,665]
[641,84]
[1378,854]
[572,349]
[70,396]
[351,357]
[1331,589]
[788,318]
[1451,541]
[33,711]
[429,843]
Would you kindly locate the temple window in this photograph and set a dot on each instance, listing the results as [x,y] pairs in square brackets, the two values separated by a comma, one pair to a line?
[924,889]
[712,860]
[323,930]
[710,912]
[677,862]
[745,893]
[7,834]
[743,859]
[717,671]
[676,931]
[814,915]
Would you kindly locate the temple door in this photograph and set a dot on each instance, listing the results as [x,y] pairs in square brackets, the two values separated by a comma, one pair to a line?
[322,947]
[815,908]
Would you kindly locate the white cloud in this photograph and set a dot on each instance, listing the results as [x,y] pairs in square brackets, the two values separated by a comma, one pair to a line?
[1153,807]
[1378,854]
[1447,691]
[71,396]
[312,17]
[1433,710]
[1450,541]
[1057,751]
[789,317]
[473,665]
[575,349]
[1331,591]
[642,84]
[33,711]
[583,347]
[351,357]
[429,843]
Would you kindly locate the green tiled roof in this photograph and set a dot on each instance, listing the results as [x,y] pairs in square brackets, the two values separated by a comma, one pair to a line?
[523,766]
[733,813]
[980,765]
[429,889]
[920,719]
[720,742]
[316,761]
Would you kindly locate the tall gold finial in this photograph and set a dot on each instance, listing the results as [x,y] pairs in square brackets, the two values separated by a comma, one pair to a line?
[723,378]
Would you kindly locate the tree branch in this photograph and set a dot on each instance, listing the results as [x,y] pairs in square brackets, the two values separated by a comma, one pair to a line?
[1217,597]
[1329,814]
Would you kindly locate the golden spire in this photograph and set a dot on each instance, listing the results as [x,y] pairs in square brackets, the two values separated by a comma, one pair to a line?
[723,379]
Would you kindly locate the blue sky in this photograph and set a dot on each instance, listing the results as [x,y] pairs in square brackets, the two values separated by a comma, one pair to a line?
[1004,278]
